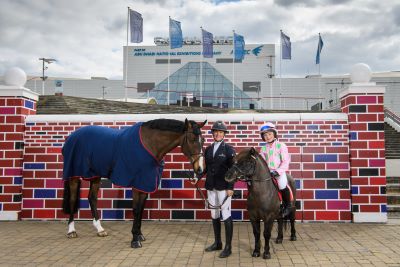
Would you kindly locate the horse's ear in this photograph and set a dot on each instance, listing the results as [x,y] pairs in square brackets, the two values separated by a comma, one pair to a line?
[253,151]
[202,124]
[186,124]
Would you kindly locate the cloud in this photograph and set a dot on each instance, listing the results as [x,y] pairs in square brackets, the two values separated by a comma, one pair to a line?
[87,37]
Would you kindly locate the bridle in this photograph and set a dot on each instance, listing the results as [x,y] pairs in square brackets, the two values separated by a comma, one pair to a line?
[245,175]
[191,155]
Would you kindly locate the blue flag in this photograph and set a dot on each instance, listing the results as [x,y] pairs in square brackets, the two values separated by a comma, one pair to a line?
[239,46]
[136,23]
[207,44]
[175,34]
[286,46]
[320,45]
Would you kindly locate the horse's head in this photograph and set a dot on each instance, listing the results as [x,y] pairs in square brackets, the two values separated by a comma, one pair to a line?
[244,166]
[192,145]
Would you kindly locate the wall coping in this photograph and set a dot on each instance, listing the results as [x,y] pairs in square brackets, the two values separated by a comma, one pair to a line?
[363,89]
[16,91]
[197,117]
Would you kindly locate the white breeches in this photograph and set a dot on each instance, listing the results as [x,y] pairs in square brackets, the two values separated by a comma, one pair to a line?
[282,181]
[215,198]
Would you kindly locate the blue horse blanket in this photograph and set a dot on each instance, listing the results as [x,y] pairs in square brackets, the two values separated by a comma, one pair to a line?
[119,155]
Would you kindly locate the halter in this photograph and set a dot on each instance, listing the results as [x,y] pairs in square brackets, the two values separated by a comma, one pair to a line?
[248,177]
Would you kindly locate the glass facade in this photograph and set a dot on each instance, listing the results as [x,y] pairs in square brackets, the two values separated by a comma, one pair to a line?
[216,88]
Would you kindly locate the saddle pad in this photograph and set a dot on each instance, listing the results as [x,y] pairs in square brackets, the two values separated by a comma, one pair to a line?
[116,154]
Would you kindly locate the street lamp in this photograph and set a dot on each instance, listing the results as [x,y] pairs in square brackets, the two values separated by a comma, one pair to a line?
[48,61]
[258,94]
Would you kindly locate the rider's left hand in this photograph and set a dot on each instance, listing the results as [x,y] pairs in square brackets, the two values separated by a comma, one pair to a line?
[229,192]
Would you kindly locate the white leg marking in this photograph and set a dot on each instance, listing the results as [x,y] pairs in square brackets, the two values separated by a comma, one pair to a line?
[97,224]
[71,227]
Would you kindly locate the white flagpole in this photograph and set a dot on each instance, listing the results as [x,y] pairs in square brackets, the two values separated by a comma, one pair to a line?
[280,73]
[201,69]
[233,71]
[126,58]
[319,69]
[169,57]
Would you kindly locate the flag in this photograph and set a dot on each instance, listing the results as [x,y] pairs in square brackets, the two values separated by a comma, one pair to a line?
[286,46]
[239,46]
[175,34]
[320,45]
[207,43]
[136,23]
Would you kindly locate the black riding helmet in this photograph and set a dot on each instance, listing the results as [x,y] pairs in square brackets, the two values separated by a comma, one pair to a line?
[219,126]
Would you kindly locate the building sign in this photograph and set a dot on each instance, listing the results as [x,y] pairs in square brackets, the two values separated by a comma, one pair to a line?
[141,52]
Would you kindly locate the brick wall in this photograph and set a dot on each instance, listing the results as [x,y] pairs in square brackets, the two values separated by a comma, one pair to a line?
[318,143]
[364,104]
[13,111]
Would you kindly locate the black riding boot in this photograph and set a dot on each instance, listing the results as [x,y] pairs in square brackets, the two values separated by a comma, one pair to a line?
[286,202]
[228,236]
[217,235]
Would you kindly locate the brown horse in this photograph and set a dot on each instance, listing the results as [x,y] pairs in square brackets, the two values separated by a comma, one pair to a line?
[263,201]
[130,157]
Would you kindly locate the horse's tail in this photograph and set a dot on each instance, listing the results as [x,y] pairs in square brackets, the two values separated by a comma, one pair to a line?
[67,197]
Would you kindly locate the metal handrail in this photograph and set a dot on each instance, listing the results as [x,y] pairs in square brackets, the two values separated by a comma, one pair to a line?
[393,116]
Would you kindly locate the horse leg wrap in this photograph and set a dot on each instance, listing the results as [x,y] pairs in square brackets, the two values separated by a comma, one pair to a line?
[97,225]
[71,227]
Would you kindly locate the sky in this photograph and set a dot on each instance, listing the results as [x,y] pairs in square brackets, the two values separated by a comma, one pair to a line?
[87,36]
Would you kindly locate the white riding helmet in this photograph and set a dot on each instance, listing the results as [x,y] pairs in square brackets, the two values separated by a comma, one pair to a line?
[268,127]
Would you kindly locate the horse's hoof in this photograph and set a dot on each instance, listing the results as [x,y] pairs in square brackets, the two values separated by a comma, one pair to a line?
[102,234]
[72,235]
[141,238]
[266,256]
[256,254]
[136,244]
[278,241]
[293,238]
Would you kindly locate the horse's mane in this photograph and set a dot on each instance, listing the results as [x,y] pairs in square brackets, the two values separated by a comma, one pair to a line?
[171,125]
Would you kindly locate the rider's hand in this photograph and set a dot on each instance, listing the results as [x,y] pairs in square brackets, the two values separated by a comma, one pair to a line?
[274,174]
[229,192]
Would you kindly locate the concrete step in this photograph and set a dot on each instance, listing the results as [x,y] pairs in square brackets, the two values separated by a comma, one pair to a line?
[393,198]
[393,188]
[392,180]
[394,210]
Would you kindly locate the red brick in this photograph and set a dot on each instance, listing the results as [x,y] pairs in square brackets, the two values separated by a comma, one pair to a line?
[33,183]
[6,145]
[314,205]
[368,154]
[6,198]
[11,206]
[367,135]
[375,108]
[203,214]
[171,204]
[12,189]
[161,194]
[15,102]
[160,214]
[26,214]
[369,208]
[345,215]
[113,193]
[314,184]
[377,181]
[358,144]
[337,150]
[366,99]
[369,190]
[305,194]
[199,204]
[376,144]
[151,204]
[379,199]
[360,181]
[359,163]
[307,215]
[327,215]
[53,150]
[367,117]
[183,194]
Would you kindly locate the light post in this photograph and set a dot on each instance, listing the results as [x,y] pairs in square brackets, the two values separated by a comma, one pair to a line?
[258,94]
[48,61]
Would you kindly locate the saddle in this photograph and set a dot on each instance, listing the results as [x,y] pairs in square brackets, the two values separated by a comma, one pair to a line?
[279,192]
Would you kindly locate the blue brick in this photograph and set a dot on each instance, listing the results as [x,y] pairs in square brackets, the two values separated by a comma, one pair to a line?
[337,127]
[171,183]
[29,104]
[34,166]
[113,214]
[298,184]
[1,206]
[337,143]
[30,123]
[45,193]
[383,208]
[312,127]
[237,215]
[325,158]
[288,136]
[84,204]
[57,144]
[326,194]
[128,193]
[18,180]
[354,190]
[353,135]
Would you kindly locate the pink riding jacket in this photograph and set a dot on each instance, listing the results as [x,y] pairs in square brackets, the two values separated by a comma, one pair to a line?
[277,156]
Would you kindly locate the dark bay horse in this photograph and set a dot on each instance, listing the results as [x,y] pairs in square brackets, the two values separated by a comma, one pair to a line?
[130,157]
[263,201]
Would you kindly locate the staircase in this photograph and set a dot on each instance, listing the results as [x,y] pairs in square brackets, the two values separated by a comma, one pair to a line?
[392,147]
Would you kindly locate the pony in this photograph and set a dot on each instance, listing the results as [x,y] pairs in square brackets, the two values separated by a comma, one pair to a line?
[263,201]
[129,157]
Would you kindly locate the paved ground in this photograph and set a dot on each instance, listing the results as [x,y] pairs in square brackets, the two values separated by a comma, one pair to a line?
[34,243]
